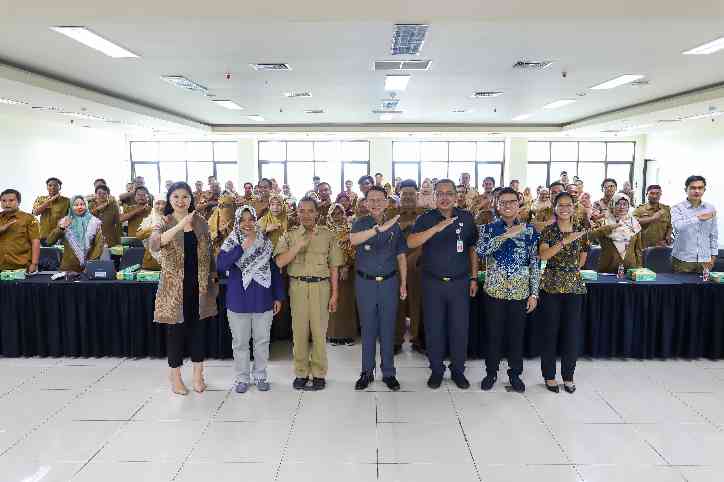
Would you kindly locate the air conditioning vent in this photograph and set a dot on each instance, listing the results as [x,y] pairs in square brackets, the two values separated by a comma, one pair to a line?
[383,111]
[667,121]
[640,83]
[397,65]
[270,66]
[314,111]
[611,131]
[485,94]
[294,95]
[407,39]
[390,104]
[532,64]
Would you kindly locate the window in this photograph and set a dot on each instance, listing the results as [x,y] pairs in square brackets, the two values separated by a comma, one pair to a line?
[296,162]
[590,161]
[189,161]
[418,160]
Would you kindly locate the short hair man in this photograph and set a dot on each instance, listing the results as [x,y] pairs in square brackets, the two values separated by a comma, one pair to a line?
[655,219]
[696,245]
[19,235]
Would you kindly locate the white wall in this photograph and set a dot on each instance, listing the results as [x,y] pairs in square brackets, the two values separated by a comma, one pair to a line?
[31,151]
[697,148]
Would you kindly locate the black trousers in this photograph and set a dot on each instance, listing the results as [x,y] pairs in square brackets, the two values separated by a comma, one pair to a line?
[446,304]
[192,331]
[505,328]
[562,319]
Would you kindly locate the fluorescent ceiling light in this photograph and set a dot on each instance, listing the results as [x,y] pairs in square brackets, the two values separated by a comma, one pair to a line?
[486,94]
[707,48]
[387,116]
[459,111]
[703,116]
[229,104]
[83,115]
[297,94]
[396,82]
[95,41]
[559,103]
[184,83]
[256,117]
[618,81]
[314,111]
[522,117]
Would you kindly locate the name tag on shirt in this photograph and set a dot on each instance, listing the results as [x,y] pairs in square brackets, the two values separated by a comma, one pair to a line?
[460,246]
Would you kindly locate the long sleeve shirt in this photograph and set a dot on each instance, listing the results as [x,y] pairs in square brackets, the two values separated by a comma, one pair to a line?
[513,268]
[255,298]
[695,241]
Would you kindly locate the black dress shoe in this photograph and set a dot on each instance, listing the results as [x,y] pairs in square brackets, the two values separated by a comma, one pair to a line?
[300,383]
[391,383]
[318,384]
[364,381]
[517,383]
[570,388]
[460,380]
[434,381]
[552,388]
[488,382]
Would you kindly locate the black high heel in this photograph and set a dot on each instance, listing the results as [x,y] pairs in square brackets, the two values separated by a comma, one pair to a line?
[552,388]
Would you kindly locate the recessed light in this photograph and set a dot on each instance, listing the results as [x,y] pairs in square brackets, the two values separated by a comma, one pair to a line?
[184,83]
[12,101]
[94,41]
[297,94]
[228,104]
[617,82]
[484,94]
[256,118]
[707,48]
[396,82]
[522,117]
[559,103]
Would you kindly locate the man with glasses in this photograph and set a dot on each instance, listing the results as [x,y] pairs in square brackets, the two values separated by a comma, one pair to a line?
[448,236]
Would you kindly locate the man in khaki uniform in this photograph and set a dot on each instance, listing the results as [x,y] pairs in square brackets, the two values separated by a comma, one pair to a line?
[19,235]
[51,208]
[312,257]
[411,307]
[138,212]
[104,207]
[325,202]
[471,194]
[655,219]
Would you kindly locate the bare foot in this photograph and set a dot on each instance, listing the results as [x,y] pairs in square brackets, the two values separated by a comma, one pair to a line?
[177,385]
[199,384]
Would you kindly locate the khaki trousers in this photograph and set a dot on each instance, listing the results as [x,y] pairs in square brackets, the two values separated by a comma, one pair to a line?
[309,303]
[686,266]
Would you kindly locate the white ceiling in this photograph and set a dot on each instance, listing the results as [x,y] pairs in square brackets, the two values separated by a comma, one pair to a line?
[331,45]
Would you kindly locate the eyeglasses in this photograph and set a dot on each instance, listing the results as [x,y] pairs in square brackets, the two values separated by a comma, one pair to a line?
[445,194]
[508,203]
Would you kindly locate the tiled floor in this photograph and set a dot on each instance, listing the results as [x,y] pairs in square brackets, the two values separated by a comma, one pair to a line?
[115,420]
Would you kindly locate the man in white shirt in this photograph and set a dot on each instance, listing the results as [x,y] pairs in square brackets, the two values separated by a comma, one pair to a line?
[694,221]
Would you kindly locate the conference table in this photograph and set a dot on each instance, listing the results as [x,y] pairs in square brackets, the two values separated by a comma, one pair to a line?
[675,316]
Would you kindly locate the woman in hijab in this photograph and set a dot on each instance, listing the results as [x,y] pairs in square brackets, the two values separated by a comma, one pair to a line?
[276,220]
[343,323]
[254,295]
[81,234]
[620,238]
[221,222]
[344,200]
[151,260]
[425,199]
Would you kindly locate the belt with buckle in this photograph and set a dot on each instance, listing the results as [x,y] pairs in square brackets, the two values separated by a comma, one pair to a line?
[446,279]
[309,279]
[379,279]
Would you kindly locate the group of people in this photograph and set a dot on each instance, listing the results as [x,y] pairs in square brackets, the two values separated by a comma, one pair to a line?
[366,263]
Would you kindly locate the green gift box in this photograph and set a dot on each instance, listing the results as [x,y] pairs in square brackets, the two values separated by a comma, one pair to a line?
[716,276]
[589,275]
[118,250]
[145,275]
[12,275]
[640,274]
[124,276]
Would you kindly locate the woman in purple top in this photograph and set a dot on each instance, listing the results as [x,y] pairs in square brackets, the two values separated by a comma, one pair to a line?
[254,294]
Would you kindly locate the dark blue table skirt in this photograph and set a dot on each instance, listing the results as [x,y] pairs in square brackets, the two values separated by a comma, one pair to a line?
[675,316]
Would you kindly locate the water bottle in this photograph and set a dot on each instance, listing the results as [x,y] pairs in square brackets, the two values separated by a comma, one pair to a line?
[705,274]
[621,272]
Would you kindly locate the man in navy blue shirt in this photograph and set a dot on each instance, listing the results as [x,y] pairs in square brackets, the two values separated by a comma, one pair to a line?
[449,264]
[381,274]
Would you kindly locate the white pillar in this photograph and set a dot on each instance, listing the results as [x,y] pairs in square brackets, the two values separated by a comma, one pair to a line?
[381,157]
[248,161]
[516,157]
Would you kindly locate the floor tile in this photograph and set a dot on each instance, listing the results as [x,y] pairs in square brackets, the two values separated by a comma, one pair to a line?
[105,405]
[537,473]
[165,406]
[464,472]
[126,471]
[242,442]
[422,443]
[436,407]
[702,474]
[513,443]
[152,441]
[685,444]
[604,444]
[602,473]
[344,443]
[36,468]
[331,471]
[254,406]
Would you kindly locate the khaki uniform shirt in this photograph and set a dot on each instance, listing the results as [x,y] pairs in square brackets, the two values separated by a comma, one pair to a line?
[54,213]
[110,216]
[16,248]
[656,231]
[135,222]
[314,260]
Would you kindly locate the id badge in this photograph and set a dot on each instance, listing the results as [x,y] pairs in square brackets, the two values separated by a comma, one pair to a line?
[460,246]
